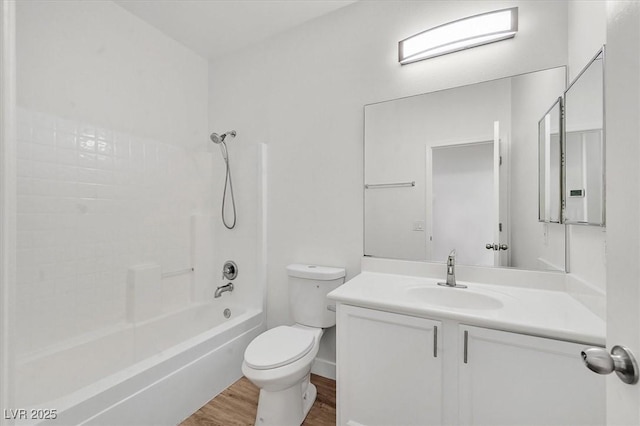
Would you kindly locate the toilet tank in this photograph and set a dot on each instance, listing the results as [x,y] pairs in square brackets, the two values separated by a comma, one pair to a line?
[308,289]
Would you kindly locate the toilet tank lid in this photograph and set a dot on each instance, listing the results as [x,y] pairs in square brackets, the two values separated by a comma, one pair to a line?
[315,272]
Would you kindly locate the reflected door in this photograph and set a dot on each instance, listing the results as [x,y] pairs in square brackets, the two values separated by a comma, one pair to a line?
[466,202]
[462,202]
[500,224]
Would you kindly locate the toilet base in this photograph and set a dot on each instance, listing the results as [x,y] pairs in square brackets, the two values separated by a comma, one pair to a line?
[287,407]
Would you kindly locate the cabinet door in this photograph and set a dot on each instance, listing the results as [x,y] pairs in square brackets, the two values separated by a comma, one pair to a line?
[514,379]
[389,369]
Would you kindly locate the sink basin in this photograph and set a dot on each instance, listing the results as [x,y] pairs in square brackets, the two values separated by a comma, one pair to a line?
[457,298]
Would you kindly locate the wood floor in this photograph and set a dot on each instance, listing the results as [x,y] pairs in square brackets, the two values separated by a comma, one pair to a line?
[237,405]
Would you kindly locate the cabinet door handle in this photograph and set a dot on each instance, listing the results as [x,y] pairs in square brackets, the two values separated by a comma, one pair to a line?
[435,341]
[466,346]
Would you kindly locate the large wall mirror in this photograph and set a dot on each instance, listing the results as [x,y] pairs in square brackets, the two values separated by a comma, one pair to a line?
[458,169]
[584,146]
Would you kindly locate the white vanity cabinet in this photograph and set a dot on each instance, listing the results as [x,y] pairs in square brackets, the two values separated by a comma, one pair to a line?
[389,368]
[397,369]
[514,379]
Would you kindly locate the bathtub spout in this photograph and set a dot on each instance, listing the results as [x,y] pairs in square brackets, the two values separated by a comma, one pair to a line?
[222,289]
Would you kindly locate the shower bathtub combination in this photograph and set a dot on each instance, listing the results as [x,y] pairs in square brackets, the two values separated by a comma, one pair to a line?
[107,169]
[151,344]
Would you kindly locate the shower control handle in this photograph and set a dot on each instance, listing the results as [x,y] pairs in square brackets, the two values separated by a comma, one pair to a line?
[621,361]
[230,270]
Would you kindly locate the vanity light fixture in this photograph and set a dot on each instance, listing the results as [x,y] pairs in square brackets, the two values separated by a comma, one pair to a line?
[459,35]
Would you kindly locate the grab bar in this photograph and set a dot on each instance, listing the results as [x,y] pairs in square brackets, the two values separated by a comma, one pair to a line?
[174,273]
[389,185]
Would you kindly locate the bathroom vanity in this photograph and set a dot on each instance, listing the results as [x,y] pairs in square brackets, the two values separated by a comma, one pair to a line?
[413,353]
[506,350]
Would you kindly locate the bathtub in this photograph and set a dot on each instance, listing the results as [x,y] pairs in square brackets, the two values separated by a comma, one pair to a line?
[152,373]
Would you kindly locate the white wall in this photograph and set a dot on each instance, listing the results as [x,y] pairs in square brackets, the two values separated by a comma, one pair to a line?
[302,93]
[111,164]
[97,63]
[587,32]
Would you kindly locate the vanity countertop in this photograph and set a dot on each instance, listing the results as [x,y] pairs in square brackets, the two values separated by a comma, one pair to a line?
[546,313]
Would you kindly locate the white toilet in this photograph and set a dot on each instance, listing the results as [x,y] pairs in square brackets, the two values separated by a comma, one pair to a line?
[279,360]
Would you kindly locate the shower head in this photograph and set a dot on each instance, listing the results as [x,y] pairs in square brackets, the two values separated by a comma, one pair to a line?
[216,138]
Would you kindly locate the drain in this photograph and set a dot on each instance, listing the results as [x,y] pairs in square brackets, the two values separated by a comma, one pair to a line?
[227,313]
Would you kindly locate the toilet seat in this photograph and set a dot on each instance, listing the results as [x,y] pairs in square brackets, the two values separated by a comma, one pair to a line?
[277,347]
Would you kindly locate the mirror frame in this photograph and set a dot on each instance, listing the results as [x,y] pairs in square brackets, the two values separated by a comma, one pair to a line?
[560,103]
[364,184]
[600,54]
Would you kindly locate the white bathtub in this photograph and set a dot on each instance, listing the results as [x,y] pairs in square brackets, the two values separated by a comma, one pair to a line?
[152,373]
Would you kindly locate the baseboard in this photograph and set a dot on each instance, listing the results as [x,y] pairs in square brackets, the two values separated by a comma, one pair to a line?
[324,368]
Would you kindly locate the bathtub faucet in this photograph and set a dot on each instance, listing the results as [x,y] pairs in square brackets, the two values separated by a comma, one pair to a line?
[222,289]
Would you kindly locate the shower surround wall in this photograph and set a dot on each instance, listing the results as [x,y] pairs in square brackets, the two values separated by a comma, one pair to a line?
[91,204]
[113,160]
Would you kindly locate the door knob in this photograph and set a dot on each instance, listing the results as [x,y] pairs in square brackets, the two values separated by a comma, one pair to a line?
[496,247]
[621,361]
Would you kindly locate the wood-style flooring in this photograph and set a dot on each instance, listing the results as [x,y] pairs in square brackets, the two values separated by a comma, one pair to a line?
[237,405]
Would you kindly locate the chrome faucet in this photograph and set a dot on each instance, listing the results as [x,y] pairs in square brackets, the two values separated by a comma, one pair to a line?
[222,289]
[451,272]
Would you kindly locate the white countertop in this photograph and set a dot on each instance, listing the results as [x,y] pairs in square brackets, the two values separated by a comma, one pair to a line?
[539,312]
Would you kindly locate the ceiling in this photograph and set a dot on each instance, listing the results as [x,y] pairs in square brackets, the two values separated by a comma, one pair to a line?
[214,27]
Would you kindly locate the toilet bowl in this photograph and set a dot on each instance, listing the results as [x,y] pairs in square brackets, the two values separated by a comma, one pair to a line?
[279,360]
[279,363]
